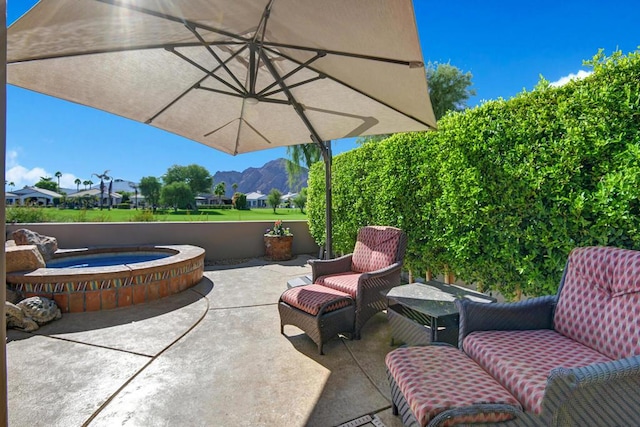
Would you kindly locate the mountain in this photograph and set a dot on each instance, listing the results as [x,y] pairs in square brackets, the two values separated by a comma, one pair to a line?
[272,175]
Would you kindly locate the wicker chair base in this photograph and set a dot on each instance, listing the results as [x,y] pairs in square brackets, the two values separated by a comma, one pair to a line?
[320,328]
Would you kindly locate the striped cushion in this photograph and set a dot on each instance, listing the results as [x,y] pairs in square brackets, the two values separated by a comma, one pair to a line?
[599,303]
[345,282]
[311,298]
[376,248]
[435,378]
[522,360]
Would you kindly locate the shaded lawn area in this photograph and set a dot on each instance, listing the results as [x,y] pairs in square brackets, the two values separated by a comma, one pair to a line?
[132,215]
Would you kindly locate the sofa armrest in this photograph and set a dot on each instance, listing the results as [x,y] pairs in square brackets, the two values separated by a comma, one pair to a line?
[534,313]
[323,267]
[599,394]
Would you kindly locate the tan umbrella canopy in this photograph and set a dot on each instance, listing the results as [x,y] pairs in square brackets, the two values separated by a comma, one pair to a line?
[236,75]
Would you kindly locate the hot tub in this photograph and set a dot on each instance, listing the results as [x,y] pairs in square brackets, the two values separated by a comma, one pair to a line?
[127,279]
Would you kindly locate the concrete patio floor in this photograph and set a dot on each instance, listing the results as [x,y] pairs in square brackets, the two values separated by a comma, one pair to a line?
[210,356]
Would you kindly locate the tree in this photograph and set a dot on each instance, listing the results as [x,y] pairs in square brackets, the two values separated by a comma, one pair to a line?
[150,188]
[135,188]
[58,175]
[77,182]
[449,88]
[196,177]
[301,199]
[239,201]
[87,184]
[11,185]
[274,198]
[110,191]
[302,155]
[219,191]
[103,177]
[235,187]
[177,194]
[47,183]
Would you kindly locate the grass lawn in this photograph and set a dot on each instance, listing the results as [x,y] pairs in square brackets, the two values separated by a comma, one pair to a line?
[121,215]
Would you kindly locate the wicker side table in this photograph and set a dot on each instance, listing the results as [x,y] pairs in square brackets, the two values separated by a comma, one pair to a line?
[423,313]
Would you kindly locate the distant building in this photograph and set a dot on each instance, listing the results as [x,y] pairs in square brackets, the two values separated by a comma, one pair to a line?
[34,196]
[256,200]
[95,194]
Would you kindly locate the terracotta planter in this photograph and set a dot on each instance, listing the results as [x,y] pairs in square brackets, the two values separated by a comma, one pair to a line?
[278,248]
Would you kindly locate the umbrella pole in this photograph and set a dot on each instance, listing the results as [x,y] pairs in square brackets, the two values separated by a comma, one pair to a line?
[326,154]
[4,416]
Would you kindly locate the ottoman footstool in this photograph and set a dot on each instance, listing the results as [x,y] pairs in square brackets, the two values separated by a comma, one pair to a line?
[321,312]
[440,385]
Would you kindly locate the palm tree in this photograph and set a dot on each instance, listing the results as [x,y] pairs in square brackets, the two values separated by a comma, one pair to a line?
[11,185]
[219,191]
[110,190]
[89,183]
[103,177]
[235,187]
[58,175]
[77,182]
[135,188]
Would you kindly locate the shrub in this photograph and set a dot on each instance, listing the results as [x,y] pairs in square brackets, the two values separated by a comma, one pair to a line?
[501,193]
[26,215]
[144,215]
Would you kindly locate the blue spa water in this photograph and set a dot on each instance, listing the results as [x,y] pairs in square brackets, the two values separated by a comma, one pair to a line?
[103,260]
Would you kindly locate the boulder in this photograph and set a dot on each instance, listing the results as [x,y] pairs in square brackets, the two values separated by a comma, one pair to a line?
[13,296]
[24,257]
[46,245]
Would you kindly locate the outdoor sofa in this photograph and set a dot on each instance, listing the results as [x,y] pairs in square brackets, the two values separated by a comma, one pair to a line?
[572,359]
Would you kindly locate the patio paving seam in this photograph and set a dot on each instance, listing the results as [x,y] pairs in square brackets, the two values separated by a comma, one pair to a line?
[235,307]
[135,353]
[371,380]
[146,365]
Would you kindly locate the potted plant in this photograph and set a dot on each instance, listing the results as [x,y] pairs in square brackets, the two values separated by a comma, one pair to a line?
[278,242]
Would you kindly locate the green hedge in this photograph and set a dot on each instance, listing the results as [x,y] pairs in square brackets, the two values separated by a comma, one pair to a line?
[501,193]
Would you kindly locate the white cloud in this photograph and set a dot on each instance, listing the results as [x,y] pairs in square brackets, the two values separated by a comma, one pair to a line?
[566,79]
[20,176]
[11,158]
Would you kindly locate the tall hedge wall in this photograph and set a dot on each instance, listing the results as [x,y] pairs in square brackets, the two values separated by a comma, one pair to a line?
[501,193]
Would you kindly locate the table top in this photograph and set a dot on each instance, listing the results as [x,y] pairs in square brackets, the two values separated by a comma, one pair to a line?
[435,299]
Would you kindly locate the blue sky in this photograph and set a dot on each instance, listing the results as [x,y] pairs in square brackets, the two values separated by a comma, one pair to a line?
[506,45]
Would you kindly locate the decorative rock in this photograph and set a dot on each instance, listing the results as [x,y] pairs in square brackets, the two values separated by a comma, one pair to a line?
[21,258]
[17,320]
[46,245]
[40,309]
[13,296]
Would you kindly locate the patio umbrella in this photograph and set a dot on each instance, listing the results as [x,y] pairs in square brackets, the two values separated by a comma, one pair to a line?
[238,76]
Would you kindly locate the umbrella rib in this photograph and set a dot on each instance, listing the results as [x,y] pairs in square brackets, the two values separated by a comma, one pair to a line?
[412,64]
[315,137]
[240,90]
[152,118]
[311,80]
[125,49]
[254,64]
[216,57]
[355,89]
[289,74]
